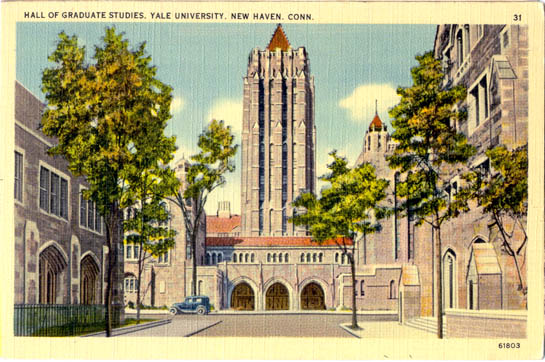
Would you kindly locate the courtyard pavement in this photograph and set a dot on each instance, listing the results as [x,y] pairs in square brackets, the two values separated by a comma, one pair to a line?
[278,325]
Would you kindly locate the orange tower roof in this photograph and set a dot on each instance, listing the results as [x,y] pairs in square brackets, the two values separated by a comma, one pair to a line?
[279,40]
[376,123]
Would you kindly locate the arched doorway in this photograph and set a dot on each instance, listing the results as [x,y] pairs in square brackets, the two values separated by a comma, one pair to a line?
[51,268]
[242,297]
[449,280]
[312,297]
[89,281]
[277,297]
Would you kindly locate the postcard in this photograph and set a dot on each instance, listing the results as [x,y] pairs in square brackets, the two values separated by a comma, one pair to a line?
[285,180]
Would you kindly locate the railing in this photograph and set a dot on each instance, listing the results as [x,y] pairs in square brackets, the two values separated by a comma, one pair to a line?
[54,320]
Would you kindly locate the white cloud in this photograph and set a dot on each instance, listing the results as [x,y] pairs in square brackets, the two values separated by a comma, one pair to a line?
[228,110]
[361,103]
[177,104]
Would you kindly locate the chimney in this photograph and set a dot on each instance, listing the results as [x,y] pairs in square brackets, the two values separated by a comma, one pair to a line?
[224,209]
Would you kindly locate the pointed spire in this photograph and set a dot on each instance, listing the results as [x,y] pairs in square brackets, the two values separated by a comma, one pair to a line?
[279,40]
[376,107]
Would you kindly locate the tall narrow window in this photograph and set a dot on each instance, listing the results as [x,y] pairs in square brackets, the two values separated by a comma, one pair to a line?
[54,194]
[44,189]
[83,210]
[362,291]
[91,214]
[64,199]
[18,176]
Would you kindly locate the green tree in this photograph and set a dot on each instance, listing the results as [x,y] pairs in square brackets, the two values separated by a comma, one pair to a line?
[204,175]
[429,151]
[148,225]
[347,206]
[105,115]
[503,193]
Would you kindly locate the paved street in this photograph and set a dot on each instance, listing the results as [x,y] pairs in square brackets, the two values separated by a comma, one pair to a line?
[280,325]
[180,326]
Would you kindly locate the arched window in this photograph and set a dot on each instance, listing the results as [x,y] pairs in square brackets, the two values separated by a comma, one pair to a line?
[302,258]
[207,259]
[337,258]
[362,291]
[320,257]
[460,47]
[234,257]
[286,258]
[253,258]
[314,258]
[308,257]
[268,258]
[280,258]
[274,258]
[220,257]
[343,259]
[246,257]
[392,290]
[449,279]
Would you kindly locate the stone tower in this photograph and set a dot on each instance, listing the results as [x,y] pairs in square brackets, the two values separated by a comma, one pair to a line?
[278,137]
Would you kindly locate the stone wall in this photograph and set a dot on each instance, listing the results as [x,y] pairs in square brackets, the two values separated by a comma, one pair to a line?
[486,324]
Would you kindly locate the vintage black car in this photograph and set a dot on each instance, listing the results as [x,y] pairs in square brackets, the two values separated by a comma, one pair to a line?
[195,304]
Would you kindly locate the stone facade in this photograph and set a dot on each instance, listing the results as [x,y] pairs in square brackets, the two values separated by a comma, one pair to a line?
[278,137]
[59,238]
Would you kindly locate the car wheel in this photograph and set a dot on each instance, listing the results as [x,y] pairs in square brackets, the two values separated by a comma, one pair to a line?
[201,310]
[173,311]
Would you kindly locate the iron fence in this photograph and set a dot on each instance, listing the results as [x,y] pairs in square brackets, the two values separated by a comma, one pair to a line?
[55,320]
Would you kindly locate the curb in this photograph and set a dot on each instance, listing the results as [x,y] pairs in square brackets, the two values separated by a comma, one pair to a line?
[299,313]
[203,329]
[130,329]
[350,331]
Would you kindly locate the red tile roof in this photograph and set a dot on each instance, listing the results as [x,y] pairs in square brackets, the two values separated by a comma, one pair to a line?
[216,224]
[376,123]
[279,40]
[271,241]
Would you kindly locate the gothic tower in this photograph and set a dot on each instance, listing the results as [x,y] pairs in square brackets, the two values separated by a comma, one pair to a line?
[278,137]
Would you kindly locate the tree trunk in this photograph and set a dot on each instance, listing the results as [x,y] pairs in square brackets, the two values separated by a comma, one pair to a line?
[112,238]
[509,249]
[194,257]
[438,276]
[353,272]
[140,262]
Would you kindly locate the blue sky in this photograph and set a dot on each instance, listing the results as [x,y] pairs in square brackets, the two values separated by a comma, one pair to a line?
[204,64]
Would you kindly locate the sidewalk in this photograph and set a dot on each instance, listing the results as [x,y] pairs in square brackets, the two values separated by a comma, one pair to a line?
[386,330]
[130,329]
[385,313]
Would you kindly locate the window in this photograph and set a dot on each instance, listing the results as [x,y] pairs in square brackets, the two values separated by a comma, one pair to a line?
[336,257]
[268,258]
[136,252]
[128,252]
[234,258]
[392,290]
[89,217]
[302,258]
[286,258]
[478,103]
[320,257]
[280,258]
[314,258]
[362,291]
[246,258]
[308,258]
[253,258]
[18,176]
[131,284]
[53,193]
[274,258]
[220,258]
[163,258]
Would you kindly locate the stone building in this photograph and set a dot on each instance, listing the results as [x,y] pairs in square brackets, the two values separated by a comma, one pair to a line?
[250,264]
[278,137]
[491,61]
[60,251]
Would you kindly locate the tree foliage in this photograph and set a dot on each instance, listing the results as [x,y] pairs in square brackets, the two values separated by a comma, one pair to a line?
[108,117]
[503,193]
[205,173]
[429,151]
[350,204]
